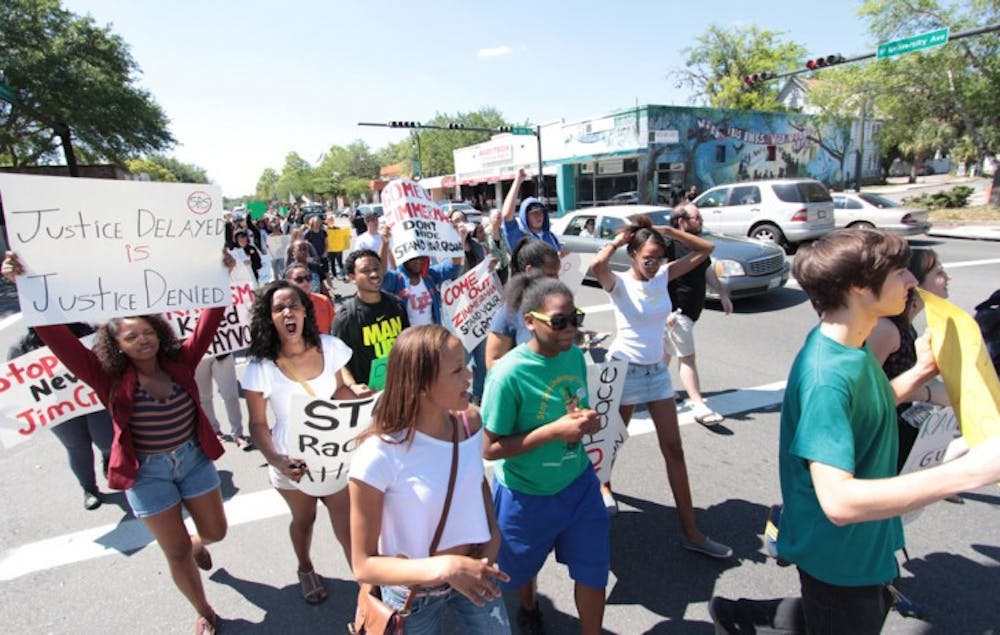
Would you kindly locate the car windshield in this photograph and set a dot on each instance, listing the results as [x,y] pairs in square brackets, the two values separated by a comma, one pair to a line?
[659,217]
[802,192]
[878,201]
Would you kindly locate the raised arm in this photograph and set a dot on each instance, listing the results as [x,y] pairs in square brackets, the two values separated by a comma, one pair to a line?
[510,201]
[600,266]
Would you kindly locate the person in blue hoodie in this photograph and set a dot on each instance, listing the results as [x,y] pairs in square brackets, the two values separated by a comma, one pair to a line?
[418,284]
[531,222]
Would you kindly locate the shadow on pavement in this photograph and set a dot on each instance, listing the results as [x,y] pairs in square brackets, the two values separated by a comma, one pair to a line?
[775,301]
[663,577]
[948,587]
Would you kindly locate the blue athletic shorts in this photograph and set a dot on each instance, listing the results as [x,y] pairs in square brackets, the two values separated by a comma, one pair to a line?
[573,522]
[166,479]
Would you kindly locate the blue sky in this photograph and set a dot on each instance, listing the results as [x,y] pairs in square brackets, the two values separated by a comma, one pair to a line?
[244,83]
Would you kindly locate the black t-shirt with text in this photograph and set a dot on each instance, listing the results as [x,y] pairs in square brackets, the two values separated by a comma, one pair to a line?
[370,330]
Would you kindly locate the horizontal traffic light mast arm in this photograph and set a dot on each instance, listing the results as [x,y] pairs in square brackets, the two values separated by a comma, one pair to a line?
[867,56]
[416,125]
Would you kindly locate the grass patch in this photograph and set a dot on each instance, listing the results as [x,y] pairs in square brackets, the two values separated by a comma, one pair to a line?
[972,213]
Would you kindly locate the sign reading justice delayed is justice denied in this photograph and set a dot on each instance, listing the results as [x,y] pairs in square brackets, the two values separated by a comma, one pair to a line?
[94,249]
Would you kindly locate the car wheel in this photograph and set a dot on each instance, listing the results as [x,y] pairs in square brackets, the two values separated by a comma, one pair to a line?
[768,233]
[862,224]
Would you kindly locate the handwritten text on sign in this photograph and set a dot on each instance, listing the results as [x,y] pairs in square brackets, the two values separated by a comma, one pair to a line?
[604,384]
[234,332]
[470,302]
[323,433]
[417,227]
[37,391]
[94,249]
[938,429]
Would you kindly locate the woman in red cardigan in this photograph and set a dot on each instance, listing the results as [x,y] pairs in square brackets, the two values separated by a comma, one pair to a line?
[163,444]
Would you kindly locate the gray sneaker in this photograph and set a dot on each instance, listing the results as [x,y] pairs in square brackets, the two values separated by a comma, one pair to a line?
[709,548]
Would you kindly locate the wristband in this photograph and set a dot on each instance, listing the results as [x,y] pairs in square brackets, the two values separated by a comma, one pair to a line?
[928,387]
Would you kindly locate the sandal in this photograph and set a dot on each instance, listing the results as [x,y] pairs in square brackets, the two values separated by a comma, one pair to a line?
[313,590]
[204,626]
[203,559]
[709,418]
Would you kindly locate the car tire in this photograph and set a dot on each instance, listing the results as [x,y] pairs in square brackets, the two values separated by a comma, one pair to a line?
[862,224]
[770,233]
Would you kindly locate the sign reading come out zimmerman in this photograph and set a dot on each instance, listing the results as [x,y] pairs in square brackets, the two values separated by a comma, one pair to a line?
[93,249]
[417,227]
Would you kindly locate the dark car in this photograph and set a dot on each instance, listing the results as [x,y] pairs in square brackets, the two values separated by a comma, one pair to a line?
[746,267]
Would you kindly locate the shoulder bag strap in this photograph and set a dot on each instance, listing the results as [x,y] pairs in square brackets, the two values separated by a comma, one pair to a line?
[287,369]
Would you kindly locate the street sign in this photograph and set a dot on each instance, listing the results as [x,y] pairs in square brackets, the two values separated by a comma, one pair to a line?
[927,40]
[7,93]
[666,136]
[522,130]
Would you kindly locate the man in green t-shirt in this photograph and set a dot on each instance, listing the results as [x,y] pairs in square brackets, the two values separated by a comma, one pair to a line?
[547,495]
[837,452]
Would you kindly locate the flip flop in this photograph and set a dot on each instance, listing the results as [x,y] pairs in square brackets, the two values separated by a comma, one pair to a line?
[313,590]
[203,559]
[709,418]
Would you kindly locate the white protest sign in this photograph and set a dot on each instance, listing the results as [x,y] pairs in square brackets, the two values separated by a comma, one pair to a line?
[322,433]
[38,392]
[93,249]
[417,227]
[233,333]
[470,302]
[572,269]
[604,384]
[278,245]
[938,428]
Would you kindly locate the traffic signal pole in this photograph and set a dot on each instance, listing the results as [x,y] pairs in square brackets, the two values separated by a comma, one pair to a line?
[458,127]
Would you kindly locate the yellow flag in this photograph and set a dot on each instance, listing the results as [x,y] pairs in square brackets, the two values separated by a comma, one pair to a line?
[968,373]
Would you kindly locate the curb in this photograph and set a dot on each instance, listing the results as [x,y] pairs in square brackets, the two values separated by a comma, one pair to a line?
[969,232]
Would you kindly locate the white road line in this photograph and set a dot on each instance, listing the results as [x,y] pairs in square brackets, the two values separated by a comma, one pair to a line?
[971,263]
[131,535]
[10,320]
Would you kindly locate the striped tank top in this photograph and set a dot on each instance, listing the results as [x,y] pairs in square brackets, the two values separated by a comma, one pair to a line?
[161,425]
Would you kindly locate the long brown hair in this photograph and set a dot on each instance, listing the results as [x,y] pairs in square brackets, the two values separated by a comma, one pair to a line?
[114,361]
[414,362]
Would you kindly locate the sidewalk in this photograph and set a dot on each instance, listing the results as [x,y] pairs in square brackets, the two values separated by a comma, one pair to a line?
[959,229]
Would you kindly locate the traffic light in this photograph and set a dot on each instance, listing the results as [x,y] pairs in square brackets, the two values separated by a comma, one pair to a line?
[823,62]
[404,124]
[456,126]
[758,78]
[504,128]
[516,130]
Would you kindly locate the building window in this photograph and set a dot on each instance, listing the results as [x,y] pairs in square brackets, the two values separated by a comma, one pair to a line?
[772,153]
[720,154]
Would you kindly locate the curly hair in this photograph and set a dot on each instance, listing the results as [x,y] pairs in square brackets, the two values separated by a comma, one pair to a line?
[114,361]
[264,340]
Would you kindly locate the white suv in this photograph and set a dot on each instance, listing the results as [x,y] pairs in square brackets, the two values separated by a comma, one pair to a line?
[784,211]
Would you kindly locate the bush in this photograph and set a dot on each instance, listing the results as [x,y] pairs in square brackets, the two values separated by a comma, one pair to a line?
[957,196]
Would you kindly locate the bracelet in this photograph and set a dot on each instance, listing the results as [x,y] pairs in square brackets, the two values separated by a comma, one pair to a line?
[928,387]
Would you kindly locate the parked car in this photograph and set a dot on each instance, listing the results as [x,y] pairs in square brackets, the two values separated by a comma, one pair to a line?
[366,208]
[746,267]
[632,198]
[878,212]
[312,209]
[472,215]
[783,211]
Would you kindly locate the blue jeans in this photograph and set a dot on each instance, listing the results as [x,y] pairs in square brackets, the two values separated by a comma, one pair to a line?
[426,611]
[164,480]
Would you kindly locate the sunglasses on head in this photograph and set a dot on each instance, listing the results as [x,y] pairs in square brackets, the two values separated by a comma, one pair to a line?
[559,321]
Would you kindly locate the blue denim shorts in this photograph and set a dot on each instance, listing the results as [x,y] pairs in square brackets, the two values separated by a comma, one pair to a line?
[428,606]
[646,383]
[164,480]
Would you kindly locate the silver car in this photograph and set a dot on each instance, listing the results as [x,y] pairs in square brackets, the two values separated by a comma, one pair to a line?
[745,267]
[878,212]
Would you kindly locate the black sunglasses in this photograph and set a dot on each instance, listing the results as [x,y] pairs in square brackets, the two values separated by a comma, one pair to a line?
[559,321]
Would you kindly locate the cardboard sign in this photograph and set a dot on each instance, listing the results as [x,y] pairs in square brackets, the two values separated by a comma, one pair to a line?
[234,331]
[38,392]
[469,303]
[938,428]
[417,226]
[604,384]
[572,269]
[94,249]
[322,433]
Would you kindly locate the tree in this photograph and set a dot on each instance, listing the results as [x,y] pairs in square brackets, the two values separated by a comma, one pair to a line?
[169,169]
[296,178]
[267,185]
[70,73]
[342,166]
[720,58]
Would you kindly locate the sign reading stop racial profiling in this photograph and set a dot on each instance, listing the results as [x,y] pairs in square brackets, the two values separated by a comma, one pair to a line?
[470,302]
[323,433]
[233,333]
[38,392]
[417,227]
[94,249]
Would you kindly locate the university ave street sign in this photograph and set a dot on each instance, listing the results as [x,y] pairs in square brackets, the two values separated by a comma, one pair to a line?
[927,40]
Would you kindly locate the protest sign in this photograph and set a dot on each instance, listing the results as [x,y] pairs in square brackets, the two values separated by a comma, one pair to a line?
[322,433]
[604,385]
[277,245]
[257,209]
[572,269]
[938,429]
[417,227]
[966,368]
[93,249]
[469,303]
[38,392]
[233,333]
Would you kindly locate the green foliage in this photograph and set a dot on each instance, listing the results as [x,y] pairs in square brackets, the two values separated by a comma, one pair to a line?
[167,169]
[296,178]
[721,57]
[267,185]
[67,70]
[957,196]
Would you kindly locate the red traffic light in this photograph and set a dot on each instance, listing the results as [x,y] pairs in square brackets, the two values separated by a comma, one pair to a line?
[823,62]
[757,78]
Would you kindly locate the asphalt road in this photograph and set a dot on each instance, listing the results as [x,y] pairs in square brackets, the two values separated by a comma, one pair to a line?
[67,570]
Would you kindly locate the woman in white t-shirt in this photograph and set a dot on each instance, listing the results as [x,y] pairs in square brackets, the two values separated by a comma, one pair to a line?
[399,481]
[287,351]
[642,306]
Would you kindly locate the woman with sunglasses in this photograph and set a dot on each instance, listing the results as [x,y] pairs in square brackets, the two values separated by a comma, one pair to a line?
[642,306]
[299,275]
[289,357]
[546,495]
